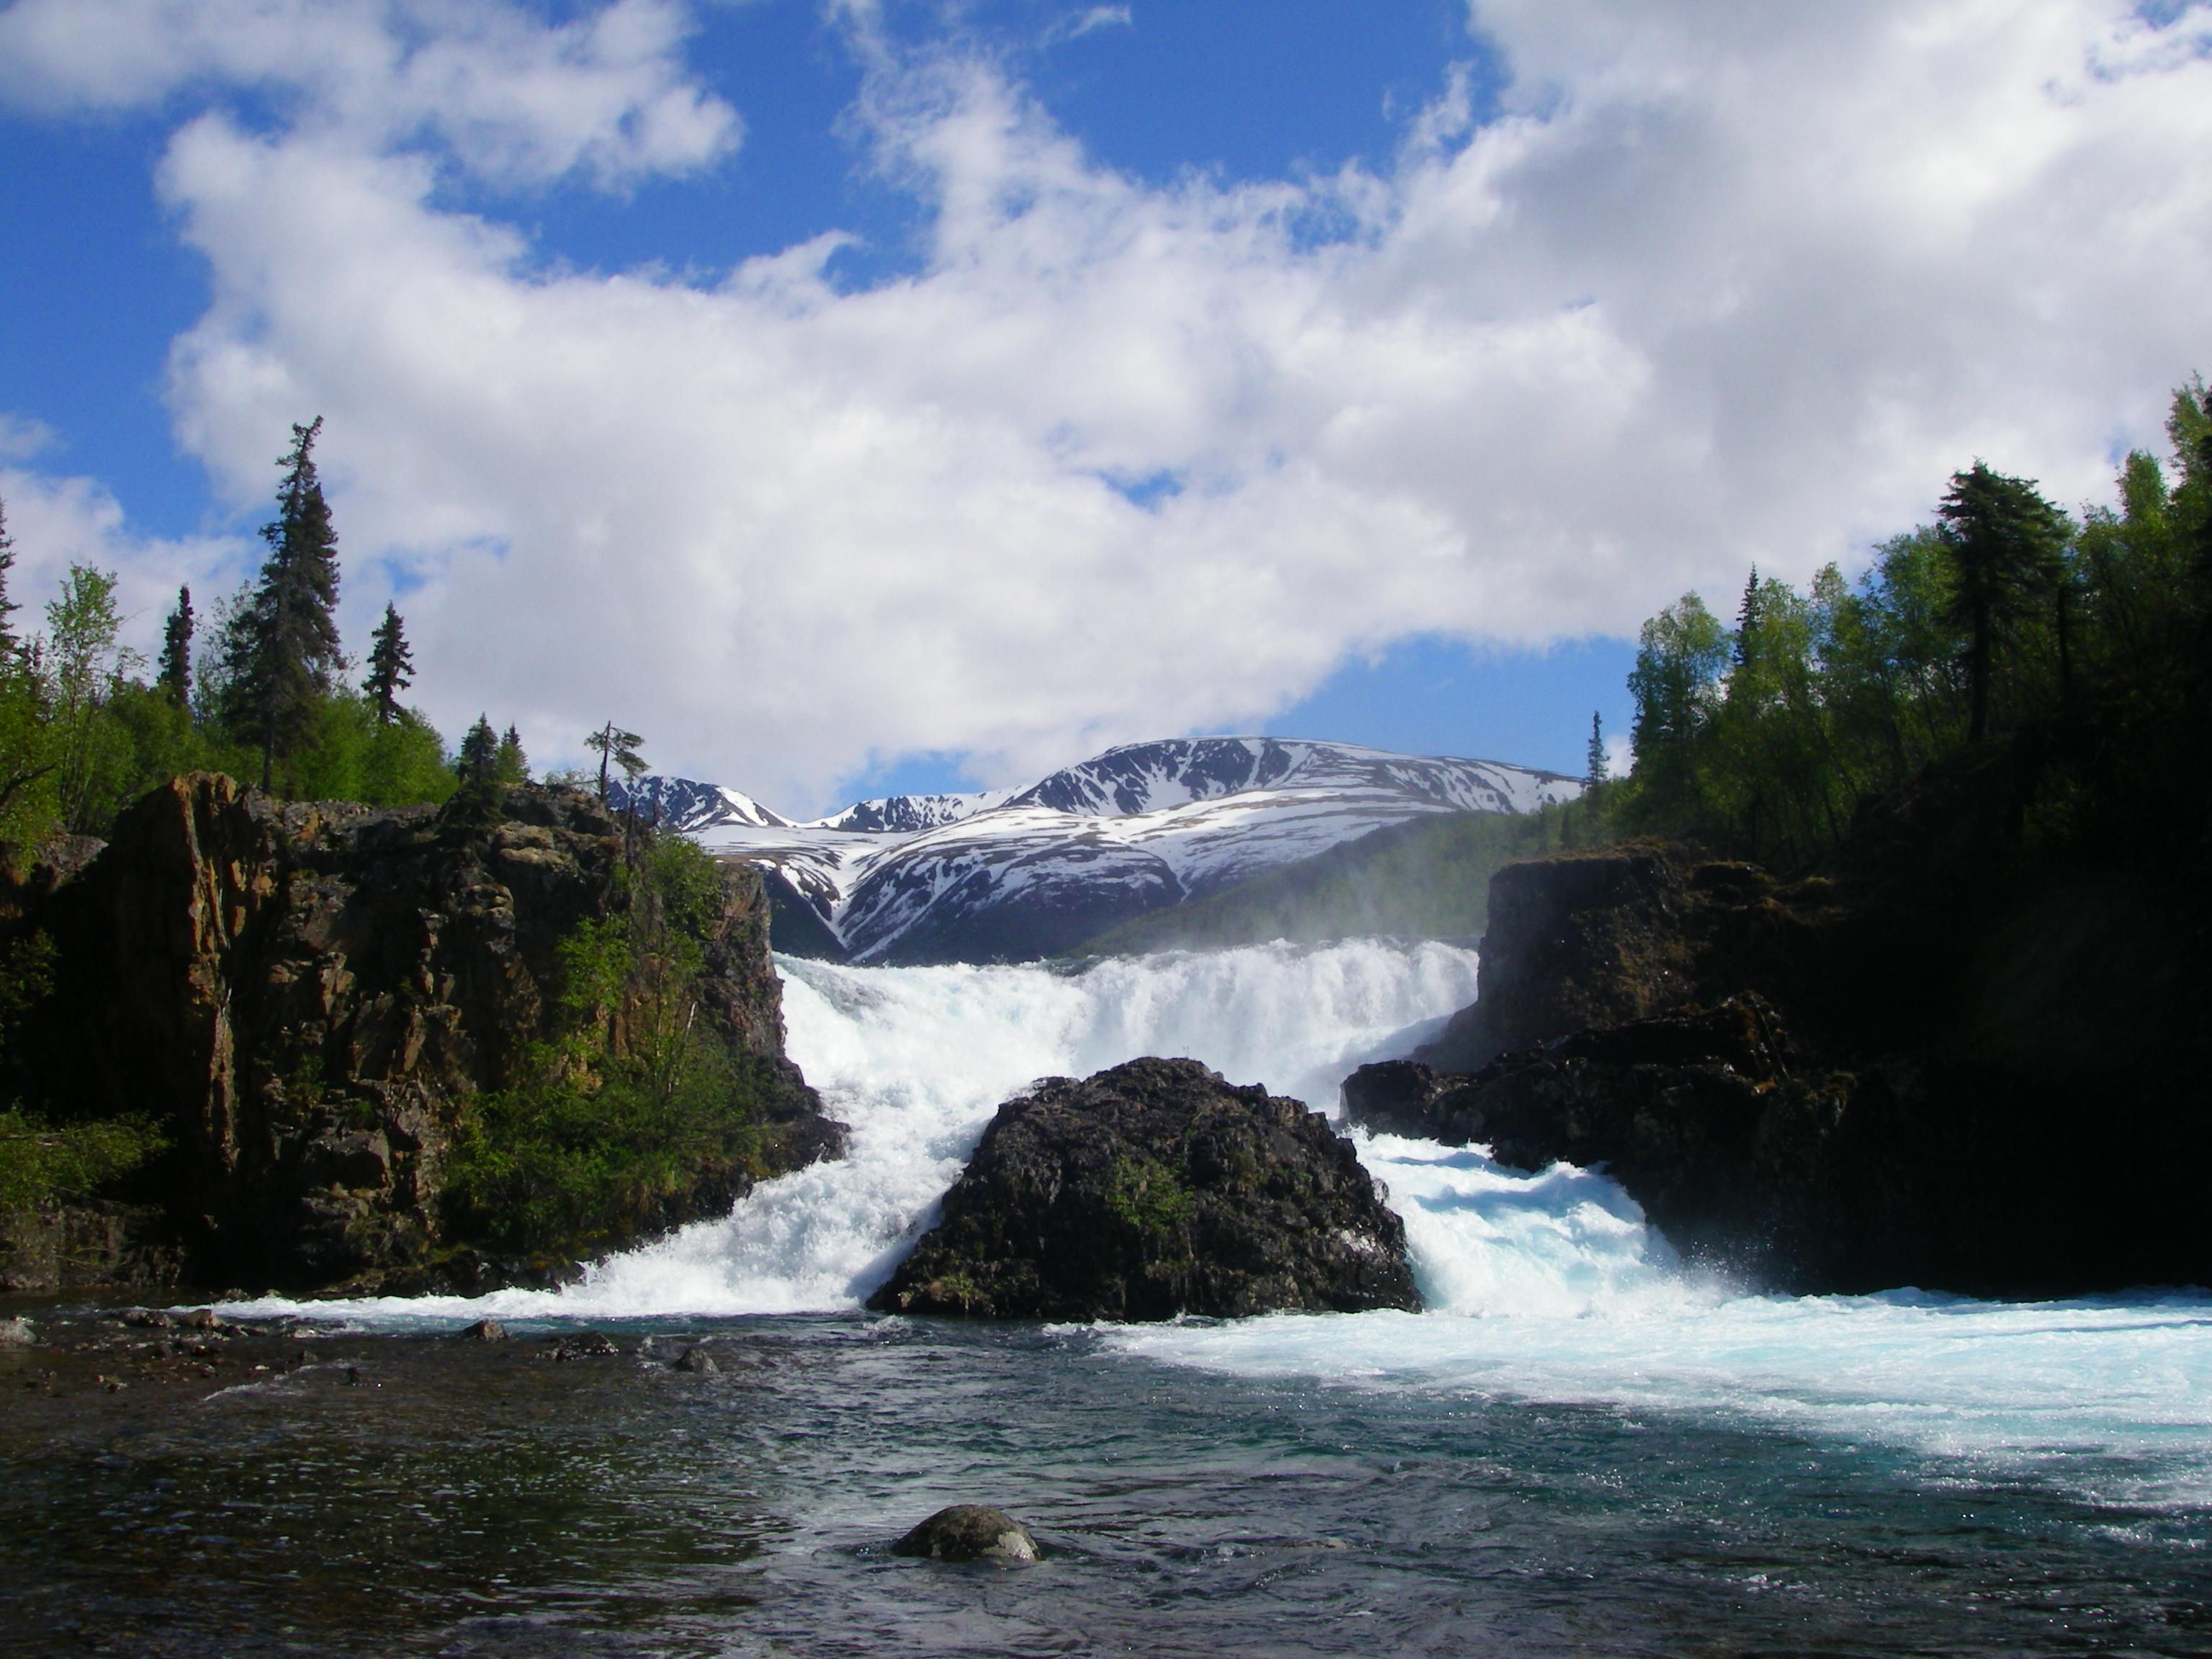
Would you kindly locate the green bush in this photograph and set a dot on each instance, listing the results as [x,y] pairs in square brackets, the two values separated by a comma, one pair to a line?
[43,1163]
[635,1099]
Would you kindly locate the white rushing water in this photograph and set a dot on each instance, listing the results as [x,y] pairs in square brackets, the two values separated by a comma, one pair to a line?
[916,1060]
[1547,1286]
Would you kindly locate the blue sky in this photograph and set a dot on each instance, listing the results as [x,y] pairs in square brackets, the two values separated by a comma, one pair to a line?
[856,395]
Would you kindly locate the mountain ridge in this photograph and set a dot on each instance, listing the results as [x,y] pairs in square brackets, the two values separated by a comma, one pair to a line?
[1013,875]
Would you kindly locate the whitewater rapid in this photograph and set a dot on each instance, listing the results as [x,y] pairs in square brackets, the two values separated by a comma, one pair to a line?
[1548,1286]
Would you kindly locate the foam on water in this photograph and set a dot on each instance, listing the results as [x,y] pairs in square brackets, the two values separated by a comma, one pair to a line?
[1546,1287]
[1550,1287]
[916,1060]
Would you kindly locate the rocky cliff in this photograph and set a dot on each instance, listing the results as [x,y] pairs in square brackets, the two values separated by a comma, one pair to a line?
[1923,1071]
[308,998]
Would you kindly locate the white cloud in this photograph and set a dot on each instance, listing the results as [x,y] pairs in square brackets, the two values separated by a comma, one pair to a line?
[21,438]
[1088,19]
[56,522]
[1723,283]
[513,98]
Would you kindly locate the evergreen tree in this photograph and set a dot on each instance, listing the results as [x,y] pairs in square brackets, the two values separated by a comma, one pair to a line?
[2005,543]
[479,758]
[1746,620]
[9,645]
[613,744]
[175,678]
[1599,771]
[510,765]
[390,667]
[283,646]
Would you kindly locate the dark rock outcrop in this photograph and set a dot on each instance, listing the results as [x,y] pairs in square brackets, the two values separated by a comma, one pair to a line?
[1591,939]
[1152,1189]
[305,996]
[1919,1072]
[971,1532]
[79,1246]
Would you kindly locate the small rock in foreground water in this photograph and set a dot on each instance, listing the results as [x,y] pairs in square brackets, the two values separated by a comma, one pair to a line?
[486,1330]
[698,1360]
[969,1532]
[15,1334]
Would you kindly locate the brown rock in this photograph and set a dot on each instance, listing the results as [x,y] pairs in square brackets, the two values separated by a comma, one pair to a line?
[305,995]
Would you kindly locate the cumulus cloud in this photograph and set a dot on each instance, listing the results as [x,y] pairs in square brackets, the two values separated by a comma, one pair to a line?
[56,522]
[512,98]
[1718,283]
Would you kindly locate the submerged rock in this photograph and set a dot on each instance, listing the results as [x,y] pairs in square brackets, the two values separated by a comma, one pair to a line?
[971,1532]
[1153,1189]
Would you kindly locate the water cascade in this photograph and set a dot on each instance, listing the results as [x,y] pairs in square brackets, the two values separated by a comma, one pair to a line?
[1544,1286]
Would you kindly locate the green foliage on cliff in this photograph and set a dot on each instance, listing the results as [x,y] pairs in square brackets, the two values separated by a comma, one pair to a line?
[633,1102]
[41,1161]
[256,693]
[2003,618]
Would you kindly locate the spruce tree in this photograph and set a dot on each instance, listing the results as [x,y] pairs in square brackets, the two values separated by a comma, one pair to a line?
[2005,544]
[510,765]
[283,647]
[390,666]
[9,645]
[175,678]
[1747,619]
[479,759]
[1599,771]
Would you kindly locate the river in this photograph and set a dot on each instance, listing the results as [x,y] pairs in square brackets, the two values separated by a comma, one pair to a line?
[1584,1446]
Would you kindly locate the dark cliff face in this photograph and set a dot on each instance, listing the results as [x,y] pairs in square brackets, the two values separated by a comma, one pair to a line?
[1152,1189]
[1921,1072]
[306,997]
[1598,939]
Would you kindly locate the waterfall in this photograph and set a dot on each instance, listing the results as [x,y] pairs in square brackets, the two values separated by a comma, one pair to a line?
[916,1060]
[1546,1286]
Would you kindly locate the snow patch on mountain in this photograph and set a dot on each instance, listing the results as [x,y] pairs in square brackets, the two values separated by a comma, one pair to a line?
[1010,874]
[685,804]
[907,814]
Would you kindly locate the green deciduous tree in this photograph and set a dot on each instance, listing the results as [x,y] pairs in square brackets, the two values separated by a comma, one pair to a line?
[86,667]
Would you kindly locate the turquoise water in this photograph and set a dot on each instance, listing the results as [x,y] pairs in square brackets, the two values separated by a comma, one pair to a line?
[461,1498]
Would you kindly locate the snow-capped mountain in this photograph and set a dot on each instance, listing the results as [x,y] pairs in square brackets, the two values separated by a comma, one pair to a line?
[1015,875]
[907,814]
[682,803]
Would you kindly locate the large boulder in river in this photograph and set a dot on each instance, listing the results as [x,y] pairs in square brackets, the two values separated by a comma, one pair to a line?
[1152,1189]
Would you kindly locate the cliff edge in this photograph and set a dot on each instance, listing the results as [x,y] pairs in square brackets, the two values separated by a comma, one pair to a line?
[312,1002]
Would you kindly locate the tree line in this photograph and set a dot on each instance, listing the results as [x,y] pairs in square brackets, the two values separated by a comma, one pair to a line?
[260,688]
[1765,738]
